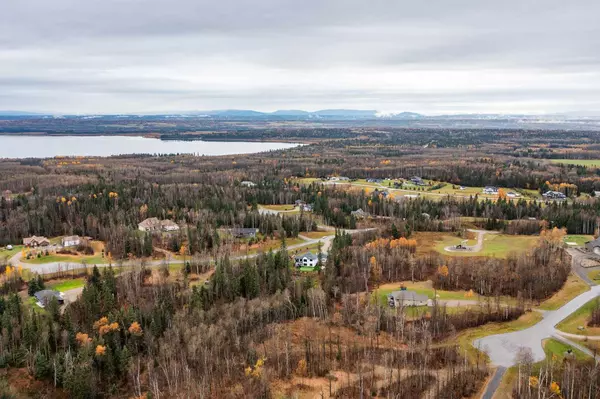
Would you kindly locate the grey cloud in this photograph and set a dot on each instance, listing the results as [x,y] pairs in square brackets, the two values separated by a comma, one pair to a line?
[139,55]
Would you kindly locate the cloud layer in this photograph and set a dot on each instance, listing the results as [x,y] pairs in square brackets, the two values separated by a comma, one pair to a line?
[434,56]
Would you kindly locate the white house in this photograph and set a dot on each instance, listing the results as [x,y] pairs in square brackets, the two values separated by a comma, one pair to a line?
[306,260]
[491,190]
[71,241]
[247,183]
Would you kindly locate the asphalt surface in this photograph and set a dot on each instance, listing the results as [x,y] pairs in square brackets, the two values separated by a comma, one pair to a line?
[472,248]
[494,383]
[55,267]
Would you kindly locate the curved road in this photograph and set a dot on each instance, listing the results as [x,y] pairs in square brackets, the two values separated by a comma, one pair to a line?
[472,248]
[54,267]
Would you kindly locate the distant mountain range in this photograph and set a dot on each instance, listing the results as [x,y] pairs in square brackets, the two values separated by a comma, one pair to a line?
[329,114]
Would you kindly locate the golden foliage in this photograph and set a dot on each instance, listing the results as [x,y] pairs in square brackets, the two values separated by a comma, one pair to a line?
[555,388]
[82,339]
[301,369]
[534,382]
[135,329]
[443,271]
[100,350]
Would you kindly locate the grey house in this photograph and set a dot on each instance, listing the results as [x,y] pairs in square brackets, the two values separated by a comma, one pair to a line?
[407,298]
[593,246]
[44,297]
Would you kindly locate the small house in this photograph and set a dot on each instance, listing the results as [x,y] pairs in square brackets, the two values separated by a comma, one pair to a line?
[34,241]
[512,194]
[243,232]
[359,214]
[593,246]
[44,297]
[154,224]
[71,241]
[417,181]
[490,190]
[403,297]
[247,183]
[554,196]
[306,260]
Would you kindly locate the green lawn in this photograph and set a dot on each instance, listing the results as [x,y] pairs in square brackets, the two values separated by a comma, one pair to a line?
[67,284]
[6,253]
[578,162]
[317,234]
[594,275]
[279,208]
[556,348]
[423,288]
[497,245]
[578,239]
[307,269]
[580,318]
[88,260]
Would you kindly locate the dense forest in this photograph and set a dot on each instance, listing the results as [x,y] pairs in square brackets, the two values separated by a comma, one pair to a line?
[217,325]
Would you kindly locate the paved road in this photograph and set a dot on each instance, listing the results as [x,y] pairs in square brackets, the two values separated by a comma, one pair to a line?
[494,383]
[503,348]
[54,267]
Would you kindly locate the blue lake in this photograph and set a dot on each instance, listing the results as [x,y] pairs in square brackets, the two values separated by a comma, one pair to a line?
[103,146]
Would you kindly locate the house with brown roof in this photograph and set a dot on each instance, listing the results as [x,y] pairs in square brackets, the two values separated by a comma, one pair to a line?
[34,241]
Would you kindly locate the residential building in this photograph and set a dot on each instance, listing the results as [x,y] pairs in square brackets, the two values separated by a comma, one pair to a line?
[243,232]
[593,246]
[306,260]
[417,181]
[407,298]
[34,241]
[247,183]
[44,297]
[154,224]
[71,241]
[512,194]
[554,195]
[359,214]
[490,190]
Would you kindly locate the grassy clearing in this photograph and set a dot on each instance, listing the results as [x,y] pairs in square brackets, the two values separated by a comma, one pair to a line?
[578,239]
[578,162]
[67,284]
[580,319]
[423,288]
[594,275]
[317,234]
[465,339]
[9,253]
[557,350]
[572,287]
[272,245]
[496,245]
[279,208]
[58,258]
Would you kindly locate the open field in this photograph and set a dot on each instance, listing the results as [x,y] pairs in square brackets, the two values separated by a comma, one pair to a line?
[496,245]
[578,319]
[578,239]
[572,287]
[424,288]
[594,275]
[88,260]
[578,162]
[67,284]
[8,253]
[557,349]
[279,208]
[317,234]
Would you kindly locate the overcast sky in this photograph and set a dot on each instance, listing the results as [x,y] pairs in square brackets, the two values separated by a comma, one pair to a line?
[434,56]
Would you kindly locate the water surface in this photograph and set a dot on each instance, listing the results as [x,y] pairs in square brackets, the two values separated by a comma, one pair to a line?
[103,146]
